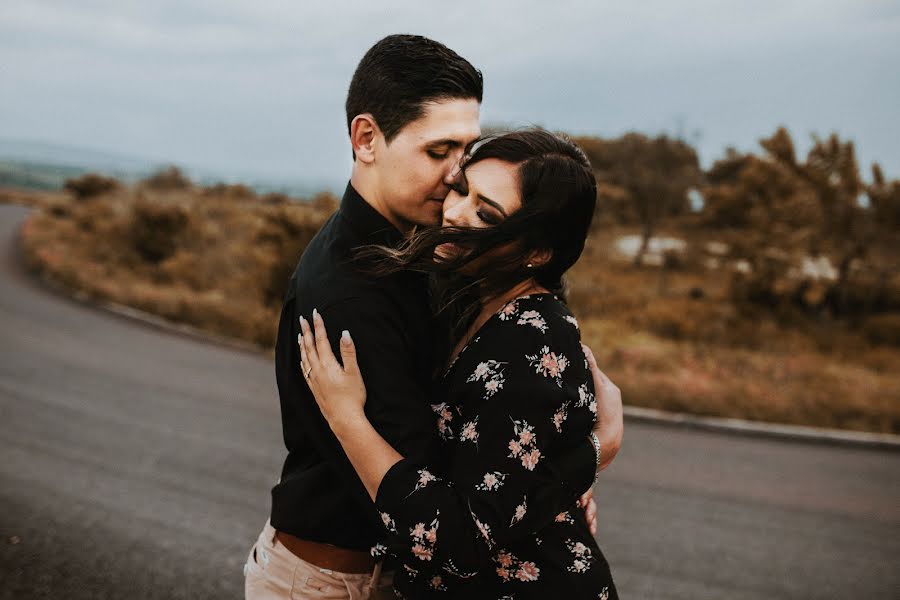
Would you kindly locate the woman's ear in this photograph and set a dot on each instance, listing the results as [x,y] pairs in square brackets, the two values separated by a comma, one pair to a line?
[363,133]
[539,258]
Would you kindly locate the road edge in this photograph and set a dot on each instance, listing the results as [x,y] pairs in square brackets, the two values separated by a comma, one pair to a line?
[801,433]
[634,413]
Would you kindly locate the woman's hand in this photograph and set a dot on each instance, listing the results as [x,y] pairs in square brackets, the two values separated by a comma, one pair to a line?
[609,426]
[339,390]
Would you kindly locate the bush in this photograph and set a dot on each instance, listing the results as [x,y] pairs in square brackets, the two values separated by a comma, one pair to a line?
[170,178]
[155,227]
[883,329]
[90,186]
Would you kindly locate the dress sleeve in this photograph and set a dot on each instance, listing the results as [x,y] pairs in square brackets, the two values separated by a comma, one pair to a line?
[534,395]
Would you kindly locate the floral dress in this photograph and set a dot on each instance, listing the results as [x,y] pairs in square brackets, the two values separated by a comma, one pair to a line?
[495,520]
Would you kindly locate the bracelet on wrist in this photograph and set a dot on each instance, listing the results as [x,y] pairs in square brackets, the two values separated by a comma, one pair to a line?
[596,441]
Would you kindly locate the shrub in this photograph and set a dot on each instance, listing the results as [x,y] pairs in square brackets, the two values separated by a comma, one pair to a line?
[90,186]
[155,227]
[170,178]
[883,329]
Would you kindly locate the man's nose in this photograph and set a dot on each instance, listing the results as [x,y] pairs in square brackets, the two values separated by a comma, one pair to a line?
[455,171]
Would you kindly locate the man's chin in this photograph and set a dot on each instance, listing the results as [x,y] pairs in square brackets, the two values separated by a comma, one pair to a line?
[432,216]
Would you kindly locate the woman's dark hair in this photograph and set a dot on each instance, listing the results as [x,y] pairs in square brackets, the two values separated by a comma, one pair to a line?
[559,193]
[400,73]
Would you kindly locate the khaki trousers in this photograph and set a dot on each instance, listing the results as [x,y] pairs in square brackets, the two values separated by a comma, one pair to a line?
[272,572]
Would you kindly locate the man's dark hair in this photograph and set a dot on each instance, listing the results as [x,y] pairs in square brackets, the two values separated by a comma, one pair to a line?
[400,73]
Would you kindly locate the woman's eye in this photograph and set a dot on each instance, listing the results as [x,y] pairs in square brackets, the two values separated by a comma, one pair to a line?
[438,155]
[486,218]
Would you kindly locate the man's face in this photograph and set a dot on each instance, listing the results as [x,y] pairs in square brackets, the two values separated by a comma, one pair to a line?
[416,168]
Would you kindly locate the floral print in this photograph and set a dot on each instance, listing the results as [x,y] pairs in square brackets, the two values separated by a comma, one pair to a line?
[533,318]
[469,431]
[510,567]
[586,399]
[560,416]
[582,554]
[549,364]
[523,445]
[489,372]
[521,509]
[388,522]
[424,538]
[492,481]
[493,518]
[564,517]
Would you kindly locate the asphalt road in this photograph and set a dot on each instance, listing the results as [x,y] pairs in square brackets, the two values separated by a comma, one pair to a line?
[136,463]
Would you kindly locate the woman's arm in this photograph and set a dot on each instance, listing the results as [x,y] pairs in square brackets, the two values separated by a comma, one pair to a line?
[496,493]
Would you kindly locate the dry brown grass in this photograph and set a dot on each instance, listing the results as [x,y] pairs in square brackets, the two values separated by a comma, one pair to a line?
[219,259]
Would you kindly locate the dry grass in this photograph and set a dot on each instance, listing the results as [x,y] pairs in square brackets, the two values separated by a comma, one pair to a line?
[219,259]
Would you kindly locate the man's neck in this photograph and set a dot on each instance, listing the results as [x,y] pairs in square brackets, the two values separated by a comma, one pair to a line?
[365,187]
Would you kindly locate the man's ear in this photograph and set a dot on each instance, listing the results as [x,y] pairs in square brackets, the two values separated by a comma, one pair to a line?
[539,258]
[363,133]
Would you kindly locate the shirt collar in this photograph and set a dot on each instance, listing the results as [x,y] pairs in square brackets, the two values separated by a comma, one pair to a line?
[367,222]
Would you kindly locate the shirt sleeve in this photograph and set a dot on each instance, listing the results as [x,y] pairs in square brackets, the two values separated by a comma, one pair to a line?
[396,403]
[501,484]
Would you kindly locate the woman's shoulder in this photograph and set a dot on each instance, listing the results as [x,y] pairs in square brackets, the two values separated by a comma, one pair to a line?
[545,314]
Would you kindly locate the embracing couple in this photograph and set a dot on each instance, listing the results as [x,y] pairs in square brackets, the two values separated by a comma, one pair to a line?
[443,421]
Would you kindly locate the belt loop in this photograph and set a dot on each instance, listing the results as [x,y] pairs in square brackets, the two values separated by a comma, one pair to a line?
[272,533]
[376,575]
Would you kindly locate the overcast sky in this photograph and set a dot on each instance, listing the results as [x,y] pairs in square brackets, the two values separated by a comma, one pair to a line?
[256,87]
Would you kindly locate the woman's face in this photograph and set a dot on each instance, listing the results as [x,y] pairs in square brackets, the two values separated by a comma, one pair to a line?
[486,193]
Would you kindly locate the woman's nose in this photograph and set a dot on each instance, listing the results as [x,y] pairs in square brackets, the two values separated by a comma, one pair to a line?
[451,211]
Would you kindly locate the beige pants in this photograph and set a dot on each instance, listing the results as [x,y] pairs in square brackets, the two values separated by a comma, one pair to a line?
[272,572]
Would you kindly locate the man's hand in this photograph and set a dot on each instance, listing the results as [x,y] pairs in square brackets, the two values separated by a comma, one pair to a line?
[609,426]
[590,509]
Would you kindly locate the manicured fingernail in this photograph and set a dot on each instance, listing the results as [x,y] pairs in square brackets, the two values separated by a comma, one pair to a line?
[302,321]
[300,338]
[315,313]
[345,335]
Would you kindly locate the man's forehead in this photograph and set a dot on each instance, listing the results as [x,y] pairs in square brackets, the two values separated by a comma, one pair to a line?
[447,121]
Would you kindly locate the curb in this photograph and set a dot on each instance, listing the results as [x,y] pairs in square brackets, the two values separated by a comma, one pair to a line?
[782,431]
[799,433]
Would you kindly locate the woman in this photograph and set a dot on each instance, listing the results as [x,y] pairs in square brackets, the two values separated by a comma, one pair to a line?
[485,519]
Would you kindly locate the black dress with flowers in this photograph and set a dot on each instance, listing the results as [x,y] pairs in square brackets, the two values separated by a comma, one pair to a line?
[495,520]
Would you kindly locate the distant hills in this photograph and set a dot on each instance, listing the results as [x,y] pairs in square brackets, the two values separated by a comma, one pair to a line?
[39,165]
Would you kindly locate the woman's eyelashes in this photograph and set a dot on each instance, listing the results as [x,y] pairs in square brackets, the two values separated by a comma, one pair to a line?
[487,218]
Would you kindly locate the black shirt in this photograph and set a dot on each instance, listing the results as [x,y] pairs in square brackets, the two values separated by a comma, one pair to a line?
[320,497]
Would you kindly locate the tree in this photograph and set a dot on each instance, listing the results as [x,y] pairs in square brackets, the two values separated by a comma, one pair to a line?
[643,179]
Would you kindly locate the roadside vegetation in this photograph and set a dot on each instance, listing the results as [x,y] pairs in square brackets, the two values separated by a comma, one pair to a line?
[767,287]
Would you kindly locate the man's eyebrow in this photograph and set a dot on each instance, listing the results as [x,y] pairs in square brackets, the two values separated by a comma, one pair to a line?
[487,200]
[446,142]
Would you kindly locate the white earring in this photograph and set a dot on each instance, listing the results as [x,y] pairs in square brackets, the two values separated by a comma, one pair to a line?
[529,265]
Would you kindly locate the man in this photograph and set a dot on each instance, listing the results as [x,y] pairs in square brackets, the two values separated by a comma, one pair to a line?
[412,106]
